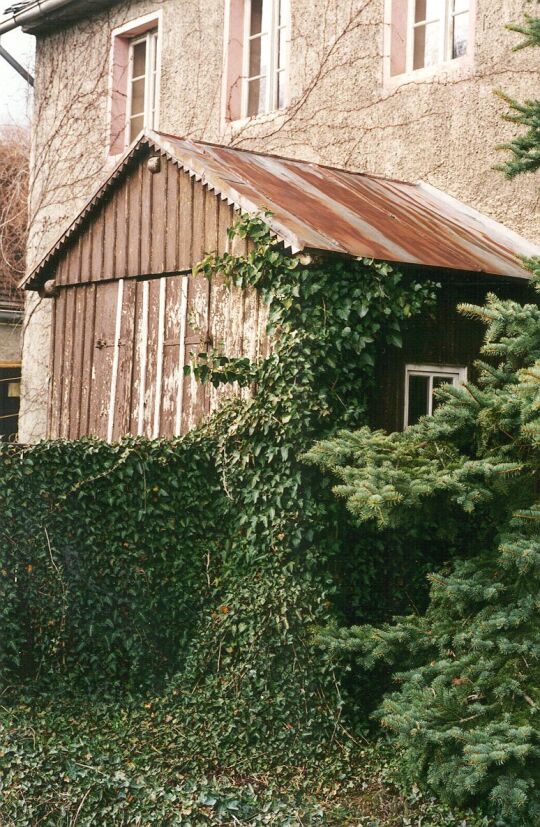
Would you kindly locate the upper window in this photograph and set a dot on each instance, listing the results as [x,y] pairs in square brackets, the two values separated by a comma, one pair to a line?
[134,81]
[142,85]
[256,78]
[421,381]
[426,33]
[264,56]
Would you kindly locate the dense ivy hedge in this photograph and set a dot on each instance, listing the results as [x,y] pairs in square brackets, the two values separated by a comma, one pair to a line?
[103,574]
[198,568]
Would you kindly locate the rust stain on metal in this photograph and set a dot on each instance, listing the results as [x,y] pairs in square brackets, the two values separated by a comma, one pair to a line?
[317,207]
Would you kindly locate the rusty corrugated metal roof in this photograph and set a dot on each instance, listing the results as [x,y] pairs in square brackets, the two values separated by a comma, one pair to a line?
[323,208]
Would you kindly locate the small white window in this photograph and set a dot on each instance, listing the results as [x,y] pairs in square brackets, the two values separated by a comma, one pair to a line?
[264,56]
[133,80]
[142,84]
[420,383]
[426,33]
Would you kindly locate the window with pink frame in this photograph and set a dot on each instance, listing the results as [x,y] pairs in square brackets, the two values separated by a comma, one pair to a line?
[426,33]
[256,78]
[134,82]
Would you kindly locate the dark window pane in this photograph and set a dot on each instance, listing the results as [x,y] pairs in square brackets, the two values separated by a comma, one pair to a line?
[135,126]
[418,398]
[256,17]
[9,402]
[258,56]
[428,10]
[438,381]
[256,93]
[137,97]
[139,59]
[260,16]
[461,35]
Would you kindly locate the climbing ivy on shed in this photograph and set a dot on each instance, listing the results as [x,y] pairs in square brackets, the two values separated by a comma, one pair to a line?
[202,565]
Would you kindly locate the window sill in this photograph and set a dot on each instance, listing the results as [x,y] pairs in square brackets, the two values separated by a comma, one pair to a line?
[451,70]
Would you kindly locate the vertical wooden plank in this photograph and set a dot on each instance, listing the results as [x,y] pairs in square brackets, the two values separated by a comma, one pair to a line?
[88,351]
[115,360]
[171,376]
[158,371]
[134,197]
[146,220]
[126,362]
[180,418]
[109,237]
[137,298]
[106,295]
[197,318]
[97,246]
[61,271]
[86,253]
[158,221]
[50,377]
[171,237]
[72,256]
[250,329]
[220,307]
[55,421]
[184,254]
[120,263]
[79,334]
[216,237]
[143,290]
[151,356]
[67,363]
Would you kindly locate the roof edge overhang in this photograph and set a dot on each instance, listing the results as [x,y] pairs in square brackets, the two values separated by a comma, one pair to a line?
[149,141]
[45,15]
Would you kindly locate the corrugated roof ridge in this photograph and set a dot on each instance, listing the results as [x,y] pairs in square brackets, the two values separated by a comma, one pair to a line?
[163,143]
[287,158]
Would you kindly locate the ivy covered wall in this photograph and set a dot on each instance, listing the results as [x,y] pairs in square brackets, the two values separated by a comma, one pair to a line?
[200,568]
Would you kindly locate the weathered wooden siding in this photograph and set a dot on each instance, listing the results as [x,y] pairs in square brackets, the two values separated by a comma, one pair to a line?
[151,223]
[120,350]
[442,337]
[129,314]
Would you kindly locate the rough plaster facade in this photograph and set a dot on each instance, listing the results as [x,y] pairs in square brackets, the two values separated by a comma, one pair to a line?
[442,129]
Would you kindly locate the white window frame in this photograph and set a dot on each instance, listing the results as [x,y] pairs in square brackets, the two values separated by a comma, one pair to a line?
[271,103]
[457,373]
[132,30]
[445,34]
[151,82]
[459,66]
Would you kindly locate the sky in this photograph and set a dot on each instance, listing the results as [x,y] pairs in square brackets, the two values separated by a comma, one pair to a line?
[15,100]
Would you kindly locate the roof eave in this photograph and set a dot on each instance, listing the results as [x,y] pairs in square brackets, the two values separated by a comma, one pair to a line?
[45,15]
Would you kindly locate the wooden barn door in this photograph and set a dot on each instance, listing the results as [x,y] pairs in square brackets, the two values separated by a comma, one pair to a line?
[120,346]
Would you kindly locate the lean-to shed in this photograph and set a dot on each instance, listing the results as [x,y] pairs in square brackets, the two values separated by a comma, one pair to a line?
[128,312]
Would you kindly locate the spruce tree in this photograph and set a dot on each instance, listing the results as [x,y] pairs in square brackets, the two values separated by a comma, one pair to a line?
[525,149]
[467,710]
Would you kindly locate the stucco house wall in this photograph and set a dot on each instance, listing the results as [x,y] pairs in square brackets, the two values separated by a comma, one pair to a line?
[341,112]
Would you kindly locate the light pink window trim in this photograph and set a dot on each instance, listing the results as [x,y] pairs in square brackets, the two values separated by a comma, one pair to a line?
[398,16]
[117,128]
[235,62]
